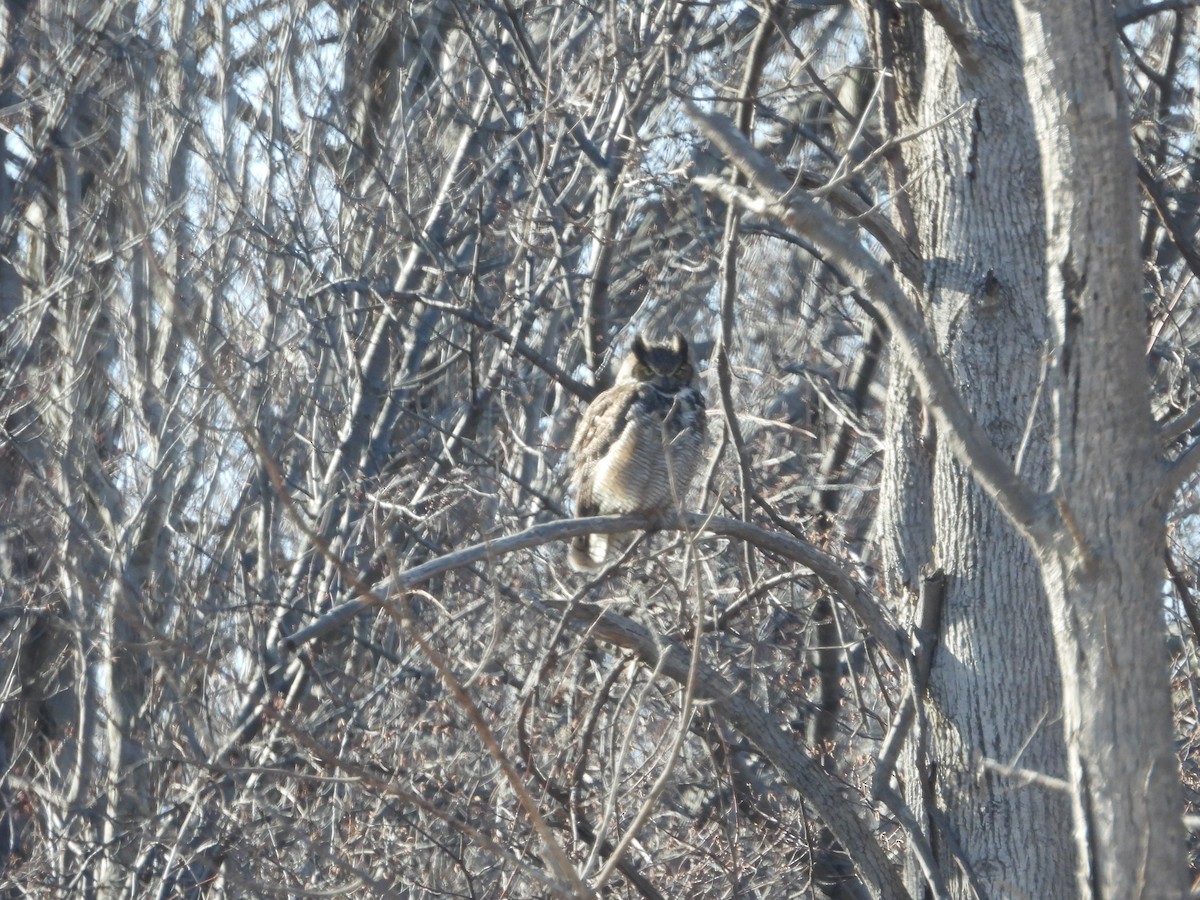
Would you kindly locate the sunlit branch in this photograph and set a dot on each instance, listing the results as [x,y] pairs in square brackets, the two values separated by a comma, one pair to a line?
[773,197]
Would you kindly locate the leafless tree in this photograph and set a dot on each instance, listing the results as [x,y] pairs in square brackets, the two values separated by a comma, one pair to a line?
[300,303]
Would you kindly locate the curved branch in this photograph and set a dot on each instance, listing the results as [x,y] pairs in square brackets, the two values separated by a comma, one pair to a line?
[773,197]
[827,797]
[831,801]
[1133,16]
[856,597]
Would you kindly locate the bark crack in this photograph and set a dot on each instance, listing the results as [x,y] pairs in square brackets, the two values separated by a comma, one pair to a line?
[1090,871]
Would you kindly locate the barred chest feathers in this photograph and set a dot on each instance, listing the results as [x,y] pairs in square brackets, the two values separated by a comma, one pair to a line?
[640,443]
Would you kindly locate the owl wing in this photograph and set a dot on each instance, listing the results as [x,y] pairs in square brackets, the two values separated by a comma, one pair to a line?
[602,423]
[601,427]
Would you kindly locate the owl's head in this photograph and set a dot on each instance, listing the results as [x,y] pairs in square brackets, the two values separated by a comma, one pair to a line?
[666,364]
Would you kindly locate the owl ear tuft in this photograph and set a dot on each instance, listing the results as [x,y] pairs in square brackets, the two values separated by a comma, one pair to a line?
[639,348]
[681,345]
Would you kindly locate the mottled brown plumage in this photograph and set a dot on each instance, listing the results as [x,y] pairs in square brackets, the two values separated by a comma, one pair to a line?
[639,444]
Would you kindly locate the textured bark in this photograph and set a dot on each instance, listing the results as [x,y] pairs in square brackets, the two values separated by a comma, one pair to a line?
[994,689]
[1104,571]
[293,300]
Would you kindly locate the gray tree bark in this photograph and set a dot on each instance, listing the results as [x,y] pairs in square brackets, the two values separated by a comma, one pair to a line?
[993,692]
[295,302]
[1043,335]
[1026,349]
[1103,565]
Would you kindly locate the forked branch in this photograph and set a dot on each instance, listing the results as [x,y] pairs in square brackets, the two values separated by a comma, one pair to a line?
[761,727]
[771,196]
[832,573]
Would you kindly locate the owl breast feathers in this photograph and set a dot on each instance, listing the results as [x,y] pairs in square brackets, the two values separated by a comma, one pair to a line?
[639,444]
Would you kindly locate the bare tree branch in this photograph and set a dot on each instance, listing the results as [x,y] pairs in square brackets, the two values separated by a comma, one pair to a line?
[1134,15]
[966,46]
[831,572]
[828,798]
[1032,513]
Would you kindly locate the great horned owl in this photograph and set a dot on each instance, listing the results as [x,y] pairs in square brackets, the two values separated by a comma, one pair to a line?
[639,444]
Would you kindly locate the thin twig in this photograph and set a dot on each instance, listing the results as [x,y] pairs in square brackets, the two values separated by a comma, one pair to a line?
[1026,777]
[855,596]
[761,727]
[1032,512]
[838,180]
[729,275]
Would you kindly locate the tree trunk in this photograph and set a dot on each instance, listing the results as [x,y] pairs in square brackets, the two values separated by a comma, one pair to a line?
[993,693]
[1103,571]
[1044,338]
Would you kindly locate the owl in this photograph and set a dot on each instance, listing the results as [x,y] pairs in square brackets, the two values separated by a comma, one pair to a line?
[639,444]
